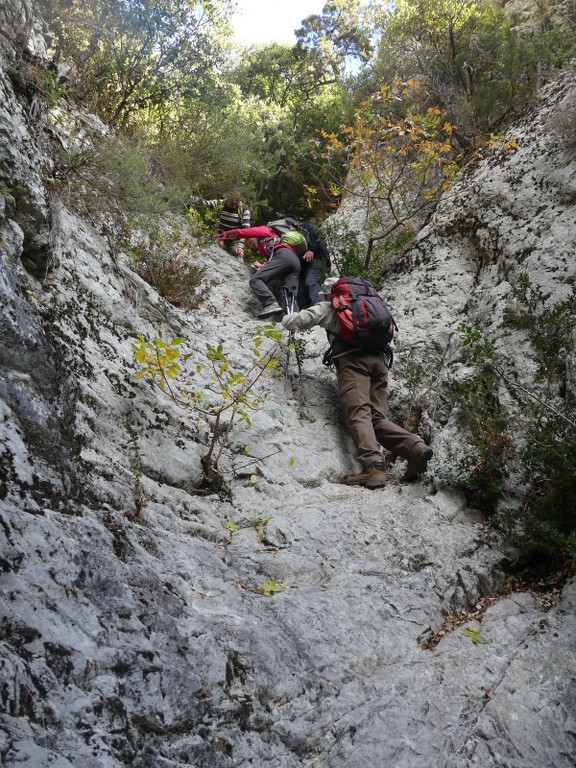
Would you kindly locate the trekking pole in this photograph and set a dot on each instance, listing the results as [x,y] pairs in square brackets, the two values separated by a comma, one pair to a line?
[290,300]
[297,346]
[286,296]
[298,353]
[290,305]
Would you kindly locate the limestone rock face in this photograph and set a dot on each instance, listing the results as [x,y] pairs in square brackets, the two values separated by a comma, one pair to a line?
[511,219]
[135,629]
[23,196]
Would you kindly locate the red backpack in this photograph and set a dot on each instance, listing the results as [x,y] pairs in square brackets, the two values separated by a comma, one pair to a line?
[366,321]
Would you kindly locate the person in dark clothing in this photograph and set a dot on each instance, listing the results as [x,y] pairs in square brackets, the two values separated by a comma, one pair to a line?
[315,266]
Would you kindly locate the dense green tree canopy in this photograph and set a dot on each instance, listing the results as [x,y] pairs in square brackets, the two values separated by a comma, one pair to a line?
[341,31]
[136,56]
[467,53]
[266,119]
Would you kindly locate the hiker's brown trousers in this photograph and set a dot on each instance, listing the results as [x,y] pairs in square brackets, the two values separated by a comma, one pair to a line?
[363,388]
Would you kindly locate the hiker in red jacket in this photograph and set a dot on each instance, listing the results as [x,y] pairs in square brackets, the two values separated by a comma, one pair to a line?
[282,262]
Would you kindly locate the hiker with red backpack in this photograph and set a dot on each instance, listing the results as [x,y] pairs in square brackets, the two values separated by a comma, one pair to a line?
[361,328]
[282,262]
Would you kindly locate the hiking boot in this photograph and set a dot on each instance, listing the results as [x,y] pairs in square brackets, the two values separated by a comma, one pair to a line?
[271,309]
[418,458]
[373,476]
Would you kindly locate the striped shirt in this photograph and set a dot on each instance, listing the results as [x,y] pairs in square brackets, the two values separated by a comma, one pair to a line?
[230,218]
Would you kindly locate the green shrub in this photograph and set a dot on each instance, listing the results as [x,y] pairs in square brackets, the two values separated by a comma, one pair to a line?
[544,524]
[549,457]
[232,395]
[418,368]
[386,252]
[112,177]
[549,511]
[480,473]
[348,253]
[163,257]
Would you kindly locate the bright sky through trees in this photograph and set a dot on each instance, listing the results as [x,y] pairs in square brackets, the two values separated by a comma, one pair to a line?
[261,21]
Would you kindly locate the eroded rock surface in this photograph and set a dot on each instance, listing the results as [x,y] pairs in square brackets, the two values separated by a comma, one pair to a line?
[133,631]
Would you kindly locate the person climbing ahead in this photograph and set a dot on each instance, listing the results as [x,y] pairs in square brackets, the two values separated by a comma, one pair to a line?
[315,256]
[316,265]
[281,262]
[363,390]
[233,214]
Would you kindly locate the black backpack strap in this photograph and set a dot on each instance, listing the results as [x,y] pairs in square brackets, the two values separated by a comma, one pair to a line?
[327,358]
[389,352]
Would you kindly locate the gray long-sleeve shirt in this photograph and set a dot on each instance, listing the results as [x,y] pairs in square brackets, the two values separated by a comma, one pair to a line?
[324,315]
[321,314]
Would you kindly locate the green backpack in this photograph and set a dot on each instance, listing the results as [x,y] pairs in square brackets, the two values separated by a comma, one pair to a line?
[296,240]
